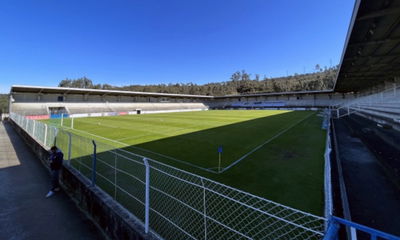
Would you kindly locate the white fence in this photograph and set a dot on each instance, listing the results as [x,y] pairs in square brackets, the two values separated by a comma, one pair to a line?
[41,132]
[173,203]
[327,168]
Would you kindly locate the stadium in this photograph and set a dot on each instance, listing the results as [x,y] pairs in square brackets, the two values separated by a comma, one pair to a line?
[284,165]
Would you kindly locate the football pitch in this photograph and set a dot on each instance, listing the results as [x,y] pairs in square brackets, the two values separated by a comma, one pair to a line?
[275,154]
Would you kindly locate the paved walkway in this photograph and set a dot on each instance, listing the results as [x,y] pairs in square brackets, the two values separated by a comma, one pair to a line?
[25,213]
[373,199]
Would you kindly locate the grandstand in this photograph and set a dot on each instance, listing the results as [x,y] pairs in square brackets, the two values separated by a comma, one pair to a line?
[286,100]
[367,88]
[35,100]
[380,103]
[44,102]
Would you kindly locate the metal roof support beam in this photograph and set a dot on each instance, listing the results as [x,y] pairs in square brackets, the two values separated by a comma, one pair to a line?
[380,13]
[370,72]
[375,42]
[372,57]
[392,27]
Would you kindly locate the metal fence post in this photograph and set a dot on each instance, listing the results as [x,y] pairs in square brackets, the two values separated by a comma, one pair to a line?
[69,147]
[147,196]
[204,209]
[33,130]
[55,130]
[45,135]
[94,164]
[115,176]
[55,137]
[332,230]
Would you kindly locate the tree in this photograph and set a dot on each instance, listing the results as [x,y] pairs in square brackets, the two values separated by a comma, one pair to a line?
[82,82]
[65,83]
[240,82]
[4,103]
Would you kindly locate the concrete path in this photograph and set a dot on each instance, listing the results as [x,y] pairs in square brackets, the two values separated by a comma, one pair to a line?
[25,213]
[373,199]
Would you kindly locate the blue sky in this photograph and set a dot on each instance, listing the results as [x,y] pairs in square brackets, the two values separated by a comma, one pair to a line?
[166,41]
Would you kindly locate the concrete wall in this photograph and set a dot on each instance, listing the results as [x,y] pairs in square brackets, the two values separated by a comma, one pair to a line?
[115,221]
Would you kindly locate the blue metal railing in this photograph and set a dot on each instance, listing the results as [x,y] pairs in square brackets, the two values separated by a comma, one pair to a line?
[335,223]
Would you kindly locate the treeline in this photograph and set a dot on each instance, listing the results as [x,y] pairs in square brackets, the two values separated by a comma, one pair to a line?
[3,103]
[240,82]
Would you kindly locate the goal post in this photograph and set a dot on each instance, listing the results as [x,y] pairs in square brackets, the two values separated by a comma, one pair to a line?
[68,121]
[65,121]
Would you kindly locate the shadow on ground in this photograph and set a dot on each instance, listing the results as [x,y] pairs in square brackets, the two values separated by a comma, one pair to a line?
[25,212]
[288,170]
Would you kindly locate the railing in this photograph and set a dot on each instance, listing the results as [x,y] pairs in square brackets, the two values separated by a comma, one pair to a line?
[172,203]
[327,166]
[386,96]
[335,223]
[41,132]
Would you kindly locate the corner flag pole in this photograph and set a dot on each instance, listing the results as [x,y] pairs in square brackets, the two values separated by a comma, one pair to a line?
[219,162]
[219,158]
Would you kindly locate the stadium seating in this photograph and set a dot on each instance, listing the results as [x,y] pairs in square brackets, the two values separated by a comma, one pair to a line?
[293,103]
[30,108]
[76,108]
[383,106]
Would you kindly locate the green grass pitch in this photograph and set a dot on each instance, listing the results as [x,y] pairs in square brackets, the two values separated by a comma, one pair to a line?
[275,154]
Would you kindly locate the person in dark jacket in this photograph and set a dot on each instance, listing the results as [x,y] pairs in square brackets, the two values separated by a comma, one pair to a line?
[56,161]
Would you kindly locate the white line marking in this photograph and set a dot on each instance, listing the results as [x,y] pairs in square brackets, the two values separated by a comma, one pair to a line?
[155,132]
[143,135]
[264,143]
[145,150]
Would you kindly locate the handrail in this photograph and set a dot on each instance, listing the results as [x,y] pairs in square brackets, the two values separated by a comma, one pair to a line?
[335,222]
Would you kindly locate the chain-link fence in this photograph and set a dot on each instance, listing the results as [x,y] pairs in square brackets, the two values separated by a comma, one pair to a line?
[327,168]
[173,203]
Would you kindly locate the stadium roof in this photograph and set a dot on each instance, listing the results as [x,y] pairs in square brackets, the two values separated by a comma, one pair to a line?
[371,54]
[63,90]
